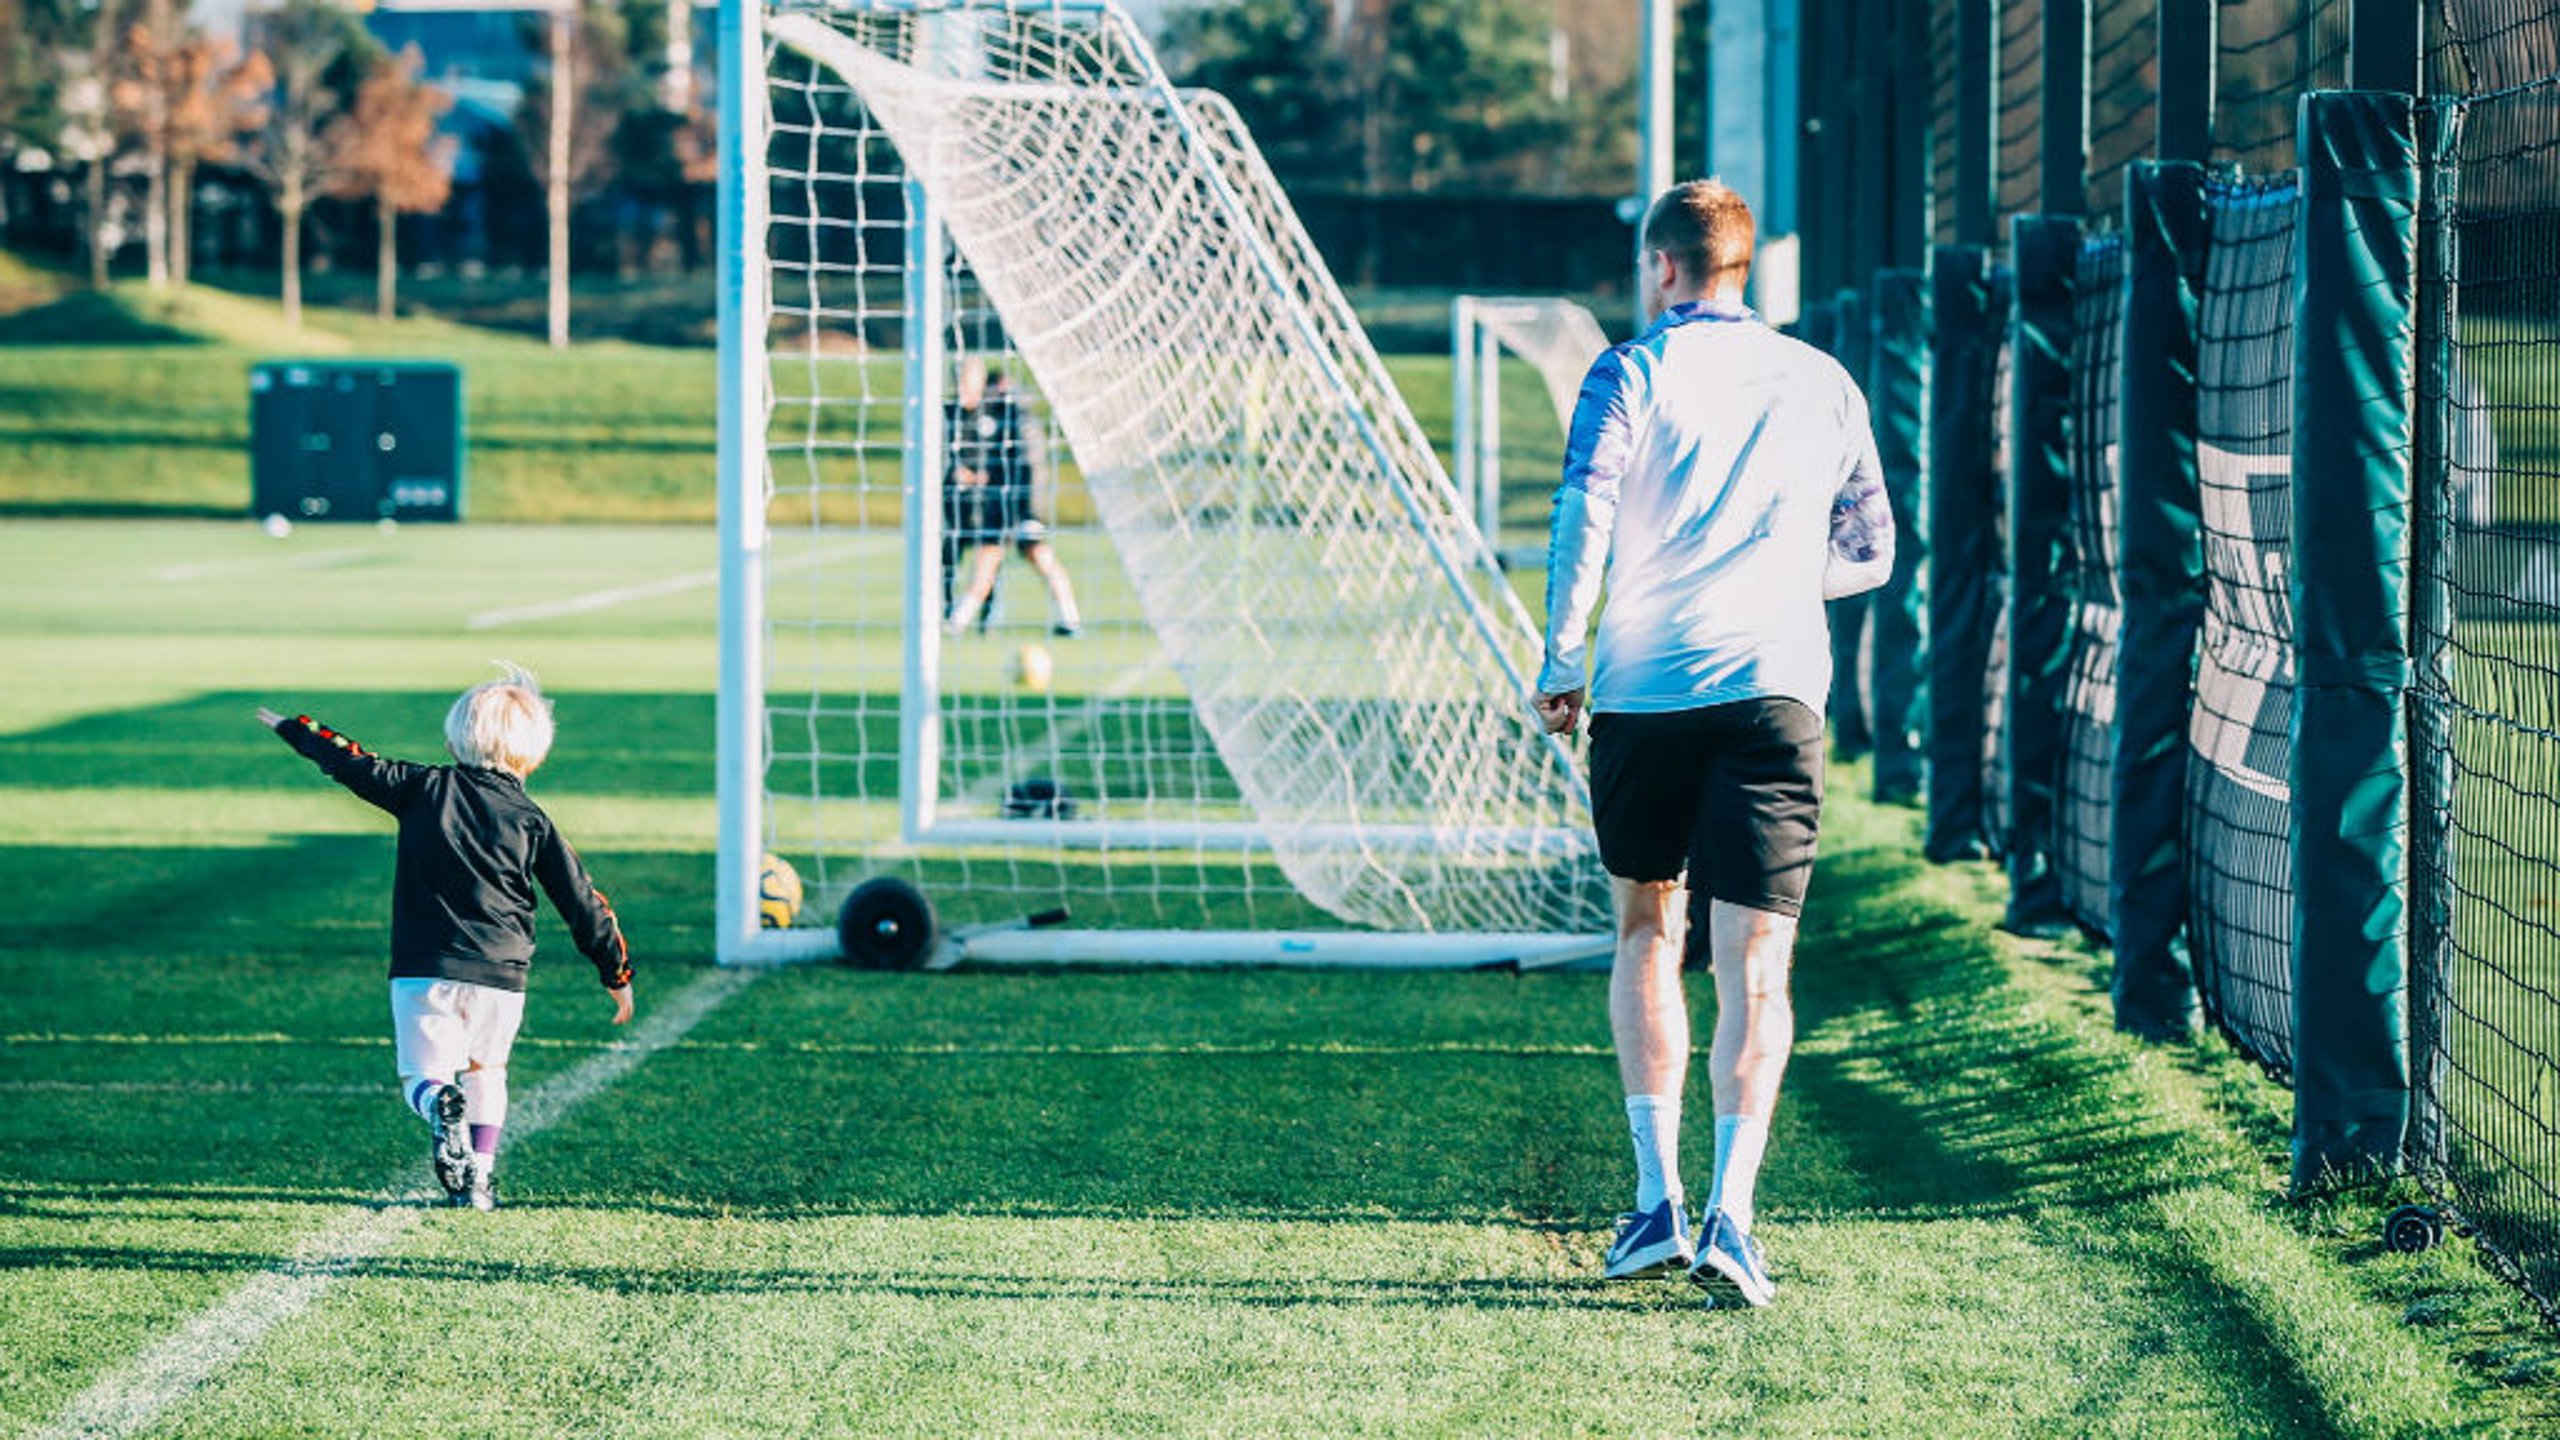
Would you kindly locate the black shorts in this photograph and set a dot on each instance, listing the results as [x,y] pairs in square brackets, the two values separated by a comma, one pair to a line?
[1733,793]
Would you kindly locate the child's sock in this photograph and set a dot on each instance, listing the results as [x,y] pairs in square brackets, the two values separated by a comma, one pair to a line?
[1740,1142]
[1654,1121]
[484,1148]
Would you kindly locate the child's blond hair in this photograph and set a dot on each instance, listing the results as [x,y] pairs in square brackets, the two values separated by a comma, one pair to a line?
[502,725]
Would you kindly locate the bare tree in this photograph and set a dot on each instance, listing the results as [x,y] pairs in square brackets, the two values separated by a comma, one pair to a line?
[387,148]
[568,125]
[140,93]
[90,102]
[215,96]
[304,42]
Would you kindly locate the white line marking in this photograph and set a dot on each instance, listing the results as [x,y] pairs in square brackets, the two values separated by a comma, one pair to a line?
[131,1398]
[644,590]
[595,600]
[308,560]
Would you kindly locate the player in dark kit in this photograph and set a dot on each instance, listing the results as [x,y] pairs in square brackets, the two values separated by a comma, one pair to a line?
[986,501]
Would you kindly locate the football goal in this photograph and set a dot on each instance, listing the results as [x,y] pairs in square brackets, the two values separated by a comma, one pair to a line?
[1079,559]
[1558,338]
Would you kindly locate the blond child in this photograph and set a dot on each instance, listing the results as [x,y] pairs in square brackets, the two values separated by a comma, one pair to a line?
[473,846]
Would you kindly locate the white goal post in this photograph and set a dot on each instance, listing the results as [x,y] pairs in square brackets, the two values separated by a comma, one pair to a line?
[994,292]
[1557,337]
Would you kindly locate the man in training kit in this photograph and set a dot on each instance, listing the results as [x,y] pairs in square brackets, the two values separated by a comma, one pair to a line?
[1725,479]
[473,849]
[987,503]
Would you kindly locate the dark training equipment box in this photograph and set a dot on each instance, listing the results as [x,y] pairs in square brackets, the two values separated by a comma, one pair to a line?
[355,440]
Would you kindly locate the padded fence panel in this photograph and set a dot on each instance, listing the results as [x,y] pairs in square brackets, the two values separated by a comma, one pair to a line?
[2087,798]
[1995,660]
[1964,497]
[2239,800]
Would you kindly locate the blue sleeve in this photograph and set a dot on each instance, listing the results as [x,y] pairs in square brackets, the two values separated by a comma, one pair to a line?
[1597,450]
[1861,512]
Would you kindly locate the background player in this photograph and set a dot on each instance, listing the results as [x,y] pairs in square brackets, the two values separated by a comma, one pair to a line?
[990,475]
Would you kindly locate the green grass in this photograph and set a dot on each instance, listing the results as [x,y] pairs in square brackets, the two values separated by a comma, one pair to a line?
[137,403]
[1048,1203]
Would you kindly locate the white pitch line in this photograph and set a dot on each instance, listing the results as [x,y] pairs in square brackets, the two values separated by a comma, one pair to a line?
[131,1398]
[644,590]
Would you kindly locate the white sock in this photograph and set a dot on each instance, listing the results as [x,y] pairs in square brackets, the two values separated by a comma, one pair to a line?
[484,1095]
[1740,1142]
[1067,615]
[1654,1120]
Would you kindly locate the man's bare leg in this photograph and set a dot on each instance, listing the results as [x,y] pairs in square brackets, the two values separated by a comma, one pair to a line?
[1649,1022]
[981,585]
[1752,951]
[1062,591]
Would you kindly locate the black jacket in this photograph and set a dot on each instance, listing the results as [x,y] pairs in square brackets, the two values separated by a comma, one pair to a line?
[472,847]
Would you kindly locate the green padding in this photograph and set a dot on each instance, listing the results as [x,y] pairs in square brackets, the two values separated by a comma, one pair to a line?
[2354,366]
[2045,252]
[2160,573]
[1898,401]
[1814,325]
[1964,493]
[1850,343]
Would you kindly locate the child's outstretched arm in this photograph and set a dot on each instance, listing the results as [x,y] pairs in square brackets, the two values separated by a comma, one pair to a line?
[382,782]
[592,923]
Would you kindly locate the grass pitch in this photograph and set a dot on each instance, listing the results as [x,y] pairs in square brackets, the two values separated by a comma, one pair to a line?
[1033,1203]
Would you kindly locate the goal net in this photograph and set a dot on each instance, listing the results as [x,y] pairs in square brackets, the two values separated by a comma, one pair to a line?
[1558,339]
[1001,303]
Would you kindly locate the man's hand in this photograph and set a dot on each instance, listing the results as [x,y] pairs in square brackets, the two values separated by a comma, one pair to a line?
[1560,713]
[622,1005]
[269,718]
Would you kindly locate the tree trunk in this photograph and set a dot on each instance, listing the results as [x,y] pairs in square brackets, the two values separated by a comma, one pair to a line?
[101,61]
[563,88]
[155,141]
[387,262]
[97,199]
[182,178]
[289,208]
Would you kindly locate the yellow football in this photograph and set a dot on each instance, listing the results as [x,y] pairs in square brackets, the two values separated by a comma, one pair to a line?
[1033,667]
[777,893]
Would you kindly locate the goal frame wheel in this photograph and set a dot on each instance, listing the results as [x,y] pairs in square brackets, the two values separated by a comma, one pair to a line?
[2412,1230]
[886,924]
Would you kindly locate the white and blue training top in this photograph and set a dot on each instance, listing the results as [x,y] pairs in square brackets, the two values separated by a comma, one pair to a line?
[1725,478]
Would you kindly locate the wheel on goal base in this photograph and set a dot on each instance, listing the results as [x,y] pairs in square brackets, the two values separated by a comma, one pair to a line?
[885,924]
[2411,1230]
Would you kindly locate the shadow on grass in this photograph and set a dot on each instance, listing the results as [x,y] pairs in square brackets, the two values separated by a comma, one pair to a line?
[89,318]
[1490,1293]
[612,744]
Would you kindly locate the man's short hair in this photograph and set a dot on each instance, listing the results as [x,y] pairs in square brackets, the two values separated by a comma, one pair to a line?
[1704,226]
[502,725]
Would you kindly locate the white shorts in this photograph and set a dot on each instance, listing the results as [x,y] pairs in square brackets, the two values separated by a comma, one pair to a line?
[444,1027]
